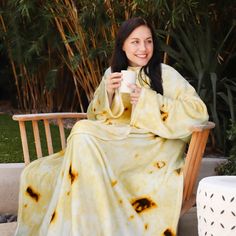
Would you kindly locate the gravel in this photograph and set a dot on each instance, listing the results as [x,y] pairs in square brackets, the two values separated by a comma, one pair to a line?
[7,218]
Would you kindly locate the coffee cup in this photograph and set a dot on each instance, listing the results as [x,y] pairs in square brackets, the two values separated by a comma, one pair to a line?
[128,77]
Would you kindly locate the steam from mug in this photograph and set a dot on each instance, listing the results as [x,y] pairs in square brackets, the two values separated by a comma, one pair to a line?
[129,77]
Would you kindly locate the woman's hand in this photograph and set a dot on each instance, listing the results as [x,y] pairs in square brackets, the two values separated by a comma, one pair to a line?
[135,94]
[112,83]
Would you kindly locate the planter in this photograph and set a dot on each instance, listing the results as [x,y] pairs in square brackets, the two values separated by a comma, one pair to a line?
[9,187]
[188,222]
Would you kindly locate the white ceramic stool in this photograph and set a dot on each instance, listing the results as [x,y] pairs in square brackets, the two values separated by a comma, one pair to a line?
[216,206]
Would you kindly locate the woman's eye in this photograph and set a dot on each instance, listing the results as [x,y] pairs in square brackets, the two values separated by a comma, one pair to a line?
[135,42]
[149,41]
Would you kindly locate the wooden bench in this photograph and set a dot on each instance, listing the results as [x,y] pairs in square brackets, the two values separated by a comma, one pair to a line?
[194,155]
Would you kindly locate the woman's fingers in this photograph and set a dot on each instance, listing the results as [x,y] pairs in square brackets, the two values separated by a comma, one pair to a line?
[113,82]
[135,94]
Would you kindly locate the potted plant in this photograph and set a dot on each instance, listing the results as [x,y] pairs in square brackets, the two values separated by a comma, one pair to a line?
[229,167]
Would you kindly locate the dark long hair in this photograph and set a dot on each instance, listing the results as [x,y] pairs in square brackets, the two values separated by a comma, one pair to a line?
[119,60]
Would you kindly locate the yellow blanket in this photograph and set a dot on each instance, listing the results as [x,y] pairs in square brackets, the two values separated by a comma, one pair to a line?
[121,173]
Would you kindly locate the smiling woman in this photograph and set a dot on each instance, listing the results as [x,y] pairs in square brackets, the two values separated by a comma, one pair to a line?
[122,170]
[138,47]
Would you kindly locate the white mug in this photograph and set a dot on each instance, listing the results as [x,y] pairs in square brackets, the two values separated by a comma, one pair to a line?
[128,77]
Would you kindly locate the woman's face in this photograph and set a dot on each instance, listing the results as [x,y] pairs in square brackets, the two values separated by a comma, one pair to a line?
[138,47]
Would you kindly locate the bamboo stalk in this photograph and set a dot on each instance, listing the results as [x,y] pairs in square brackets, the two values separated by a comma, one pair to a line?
[87,74]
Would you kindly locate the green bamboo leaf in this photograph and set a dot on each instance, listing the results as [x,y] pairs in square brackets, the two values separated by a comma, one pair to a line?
[213,78]
[50,79]
[217,129]
[72,38]
[200,79]
[196,51]
[206,47]
[224,97]
[231,103]
[186,56]
[225,38]
[170,51]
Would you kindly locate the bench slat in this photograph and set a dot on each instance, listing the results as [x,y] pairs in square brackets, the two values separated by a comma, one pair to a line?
[48,136]
[24,142]
[37,138]
[62,133]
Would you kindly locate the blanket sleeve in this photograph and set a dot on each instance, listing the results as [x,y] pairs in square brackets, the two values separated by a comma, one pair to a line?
[99,108]
[172,114]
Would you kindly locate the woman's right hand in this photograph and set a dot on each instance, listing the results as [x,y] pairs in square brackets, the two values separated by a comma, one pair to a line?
[113,82]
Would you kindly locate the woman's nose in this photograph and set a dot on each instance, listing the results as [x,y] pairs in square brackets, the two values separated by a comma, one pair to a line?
[142,46]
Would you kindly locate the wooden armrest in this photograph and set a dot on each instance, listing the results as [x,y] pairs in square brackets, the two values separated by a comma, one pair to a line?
[47,116]
[198,128]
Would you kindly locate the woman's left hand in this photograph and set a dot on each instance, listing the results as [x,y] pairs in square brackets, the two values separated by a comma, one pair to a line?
[135,94]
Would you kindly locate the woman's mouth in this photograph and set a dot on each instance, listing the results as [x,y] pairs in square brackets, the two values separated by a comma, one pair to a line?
[141,55]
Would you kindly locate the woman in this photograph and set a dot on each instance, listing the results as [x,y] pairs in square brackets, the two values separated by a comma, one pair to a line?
[121,173]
